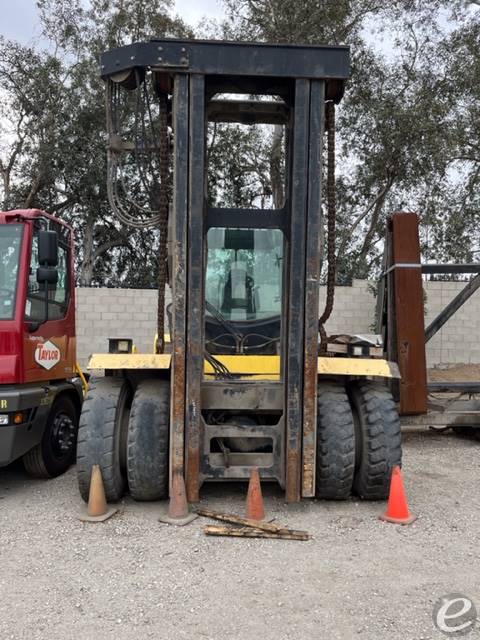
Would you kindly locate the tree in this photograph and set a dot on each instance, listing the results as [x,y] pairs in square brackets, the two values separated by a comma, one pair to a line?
[54,156]
[239,166]
[405,117]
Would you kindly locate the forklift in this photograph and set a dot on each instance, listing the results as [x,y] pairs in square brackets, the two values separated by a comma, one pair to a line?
[248,382]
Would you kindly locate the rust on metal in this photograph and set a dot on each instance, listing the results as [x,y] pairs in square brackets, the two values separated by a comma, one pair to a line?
[193,470]
[295,301]
[409,313]
[292,489]
[313,255]
[196,296]
[179,276]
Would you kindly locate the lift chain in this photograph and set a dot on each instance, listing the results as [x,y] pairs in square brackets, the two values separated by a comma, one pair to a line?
[163,222]
[332,266]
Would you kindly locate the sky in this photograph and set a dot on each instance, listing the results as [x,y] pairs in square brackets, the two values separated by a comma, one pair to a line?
[19,19]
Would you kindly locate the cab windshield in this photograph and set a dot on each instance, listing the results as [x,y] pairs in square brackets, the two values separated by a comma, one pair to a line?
[10,241]
[244,273]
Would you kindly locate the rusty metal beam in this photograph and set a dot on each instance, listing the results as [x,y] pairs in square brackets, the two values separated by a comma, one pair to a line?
[195,313]
[295,303]
[179,274]
[313,265]
[409,313]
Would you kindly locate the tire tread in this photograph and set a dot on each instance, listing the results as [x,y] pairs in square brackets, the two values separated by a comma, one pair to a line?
[148,441]
[96,437]
[381,440]
[335,442]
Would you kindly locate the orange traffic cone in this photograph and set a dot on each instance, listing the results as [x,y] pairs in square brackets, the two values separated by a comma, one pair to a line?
[397,508]
[97,508]
[255,509]
[178,507]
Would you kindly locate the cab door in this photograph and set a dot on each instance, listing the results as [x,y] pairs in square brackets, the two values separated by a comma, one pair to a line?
[49,352]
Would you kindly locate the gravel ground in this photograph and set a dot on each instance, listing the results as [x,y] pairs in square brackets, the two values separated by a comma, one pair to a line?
[132,577]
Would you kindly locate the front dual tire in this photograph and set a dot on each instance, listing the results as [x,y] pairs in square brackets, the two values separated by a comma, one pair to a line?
[126,433]
[358,440]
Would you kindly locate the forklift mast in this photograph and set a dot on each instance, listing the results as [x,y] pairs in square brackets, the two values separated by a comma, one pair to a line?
[298,80]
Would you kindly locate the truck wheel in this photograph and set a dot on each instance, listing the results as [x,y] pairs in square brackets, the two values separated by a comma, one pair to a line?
[56,451]
[335,443]
[102,431]
[148,441]
[378,439]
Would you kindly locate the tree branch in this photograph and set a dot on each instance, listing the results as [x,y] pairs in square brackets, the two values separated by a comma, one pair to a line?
[361,217]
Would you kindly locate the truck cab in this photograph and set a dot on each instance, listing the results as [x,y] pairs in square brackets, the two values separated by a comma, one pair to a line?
[40,390]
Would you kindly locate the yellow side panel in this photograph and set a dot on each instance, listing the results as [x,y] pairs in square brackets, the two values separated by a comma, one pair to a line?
[357,367]
[130,361]
[250,365]
[269,366]
[266,367]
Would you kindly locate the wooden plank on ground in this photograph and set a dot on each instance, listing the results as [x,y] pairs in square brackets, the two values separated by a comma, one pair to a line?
[246,522]
[247,532]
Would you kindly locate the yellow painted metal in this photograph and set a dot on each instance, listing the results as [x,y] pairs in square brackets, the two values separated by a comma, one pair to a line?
[249,365]
[358,367]
[268,367]
[255,367]
[78,370]
[246,377]
[130,361]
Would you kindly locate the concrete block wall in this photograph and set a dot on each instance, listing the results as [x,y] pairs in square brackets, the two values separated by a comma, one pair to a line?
[458,341]
[353,309]
[131,313]
[114,313]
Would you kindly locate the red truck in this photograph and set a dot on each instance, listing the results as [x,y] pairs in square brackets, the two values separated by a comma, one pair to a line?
[40,386]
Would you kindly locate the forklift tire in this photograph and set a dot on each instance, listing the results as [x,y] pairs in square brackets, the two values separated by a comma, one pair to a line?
[335,443]
[56,451]
[101,435]
[148,441]
[378,439]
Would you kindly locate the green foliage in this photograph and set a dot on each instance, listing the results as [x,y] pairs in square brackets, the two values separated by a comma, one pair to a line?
[53,123]
[239,166]
[408,126]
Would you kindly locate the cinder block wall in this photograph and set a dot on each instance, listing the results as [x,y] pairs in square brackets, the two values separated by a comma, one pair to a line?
[114,313]
[131,313]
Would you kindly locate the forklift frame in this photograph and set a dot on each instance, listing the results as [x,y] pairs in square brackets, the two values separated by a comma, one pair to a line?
[304,77]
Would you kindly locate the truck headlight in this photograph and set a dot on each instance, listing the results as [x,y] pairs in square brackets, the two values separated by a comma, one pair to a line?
[3,419]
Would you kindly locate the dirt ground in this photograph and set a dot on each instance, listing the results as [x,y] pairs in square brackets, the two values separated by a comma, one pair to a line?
[132,577]
[458,372]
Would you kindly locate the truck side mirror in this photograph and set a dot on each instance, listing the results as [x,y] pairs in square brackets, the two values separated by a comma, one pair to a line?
[47,248]
[47,275]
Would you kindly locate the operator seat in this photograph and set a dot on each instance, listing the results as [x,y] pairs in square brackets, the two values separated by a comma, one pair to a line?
[238,293]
